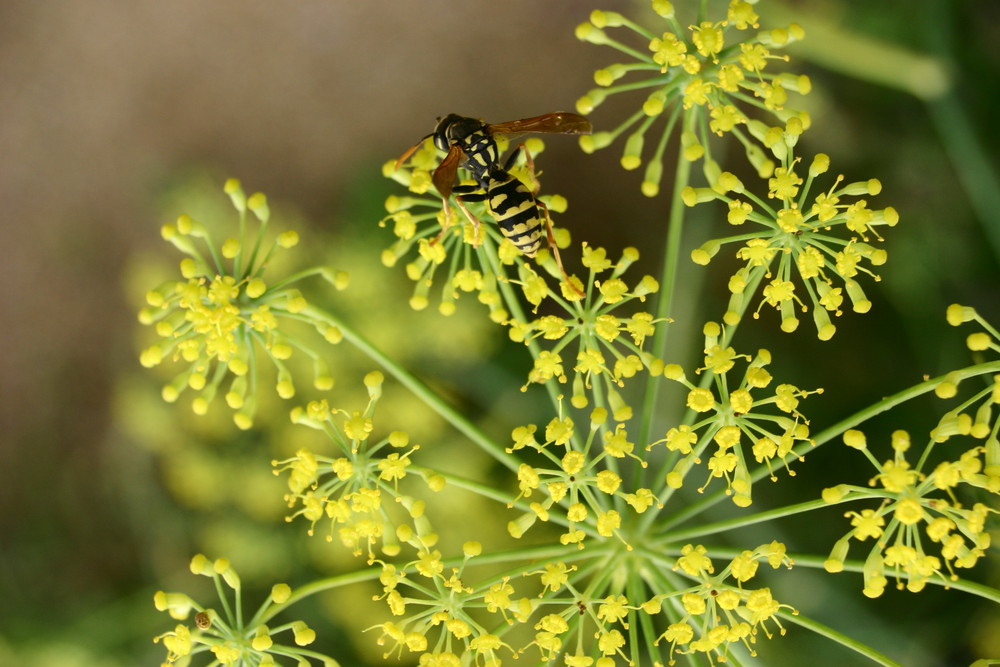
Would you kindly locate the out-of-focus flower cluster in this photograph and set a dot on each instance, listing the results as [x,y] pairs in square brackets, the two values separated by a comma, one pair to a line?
[349,490]
[225,318]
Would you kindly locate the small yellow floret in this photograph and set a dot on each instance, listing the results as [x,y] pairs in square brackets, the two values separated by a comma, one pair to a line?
[854,438]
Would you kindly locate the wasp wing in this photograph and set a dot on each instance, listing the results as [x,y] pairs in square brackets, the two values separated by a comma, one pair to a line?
[444,175]
[558,122]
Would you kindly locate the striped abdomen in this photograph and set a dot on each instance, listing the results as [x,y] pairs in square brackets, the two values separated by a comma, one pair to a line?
[516,211]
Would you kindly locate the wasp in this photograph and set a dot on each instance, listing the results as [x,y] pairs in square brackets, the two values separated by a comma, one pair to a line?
[471,143]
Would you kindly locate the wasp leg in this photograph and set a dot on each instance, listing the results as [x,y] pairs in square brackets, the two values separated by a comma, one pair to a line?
[470,193]
[555,248]
[530,163]
[447,216]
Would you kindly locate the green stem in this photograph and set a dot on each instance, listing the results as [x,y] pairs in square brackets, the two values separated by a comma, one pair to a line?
[668,285]
[289,280]
[419,389]
[479,488]
[857,566]
[971,161]
[838,637]
[738,522]
[313,588]
[492,493]
[845,50]
[887,404]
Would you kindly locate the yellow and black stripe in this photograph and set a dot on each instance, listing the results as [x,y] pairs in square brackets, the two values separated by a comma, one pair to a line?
[515,210]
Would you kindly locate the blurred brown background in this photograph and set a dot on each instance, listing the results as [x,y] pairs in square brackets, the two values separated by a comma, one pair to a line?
[104,103]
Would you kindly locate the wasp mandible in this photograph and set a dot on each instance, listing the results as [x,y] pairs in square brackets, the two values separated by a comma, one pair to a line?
[471,143]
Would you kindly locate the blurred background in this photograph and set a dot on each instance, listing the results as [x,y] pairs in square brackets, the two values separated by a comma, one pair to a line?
[115,117]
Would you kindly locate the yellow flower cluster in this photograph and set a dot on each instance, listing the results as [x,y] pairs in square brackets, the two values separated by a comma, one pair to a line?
[717,613]
[916,509]
[588,332]
[349,491]
[223,633]
[735,420]
[793,242]
[717,610]
[712,79]
[223,318]
[580,486]
[919,508]
[713,74]
[439,611]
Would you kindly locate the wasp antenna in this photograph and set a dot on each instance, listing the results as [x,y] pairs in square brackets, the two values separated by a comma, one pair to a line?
[413,149]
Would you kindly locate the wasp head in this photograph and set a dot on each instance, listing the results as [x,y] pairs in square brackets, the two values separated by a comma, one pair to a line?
[454,129]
